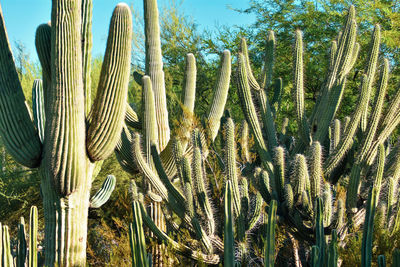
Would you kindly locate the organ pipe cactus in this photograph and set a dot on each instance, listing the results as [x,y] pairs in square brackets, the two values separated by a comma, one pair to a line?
[76,135]
[192,203]
[314,162]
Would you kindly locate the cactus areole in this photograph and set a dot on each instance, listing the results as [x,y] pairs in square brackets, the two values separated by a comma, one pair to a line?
[76,134]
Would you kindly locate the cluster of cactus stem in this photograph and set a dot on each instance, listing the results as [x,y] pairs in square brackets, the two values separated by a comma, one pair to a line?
[301,173]
[67,137]
[26,253]
[324,155]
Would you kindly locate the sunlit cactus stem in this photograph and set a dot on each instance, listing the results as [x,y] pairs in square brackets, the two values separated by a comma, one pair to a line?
[76,134]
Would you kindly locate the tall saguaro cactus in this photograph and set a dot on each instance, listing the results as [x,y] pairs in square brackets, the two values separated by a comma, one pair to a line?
[75,135]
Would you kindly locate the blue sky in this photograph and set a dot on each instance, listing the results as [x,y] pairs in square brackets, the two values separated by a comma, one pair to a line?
[23,16]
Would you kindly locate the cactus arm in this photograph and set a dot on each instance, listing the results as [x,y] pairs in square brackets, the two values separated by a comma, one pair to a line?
[6,259]
[396,258]
[382,261]
[314,256]
[298,93]
[200,189]
[268,119]
[43,49]
[131,118]
[21,248]
[366,248]
[269,60]
[371,69]
[189,94]
[39,117]
[104,193]
[146,170]
[316,170]
[333,251]
[33,230]
[335,135]
[319,233]
[250,112]
[108,111]
[86,32]
[136,234]
[269,246]
[154,68]
[149,118]
[255,216]
[16,127]
[220,94]
[252,81]
[230,163]
[229,251]
[244,141]
[123,152]
[279,158]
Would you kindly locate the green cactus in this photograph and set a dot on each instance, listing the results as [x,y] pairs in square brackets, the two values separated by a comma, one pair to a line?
[269,249]
[66,159]
[22,248]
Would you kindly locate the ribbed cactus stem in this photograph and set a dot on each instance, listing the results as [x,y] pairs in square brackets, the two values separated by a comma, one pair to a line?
[149,118]
[189,94]
[256,215]
[200,187]
[332,54]
[298,89]
[390,198]
[279,158]
[6,257]
[269,60]
[340,209]
[333,250]
[300,175]
[229,251]
[33,231]
[371,69]
[18,132]
[86,33]
[242,223]
[22,246]
[289,198]
[43,49]
[316,169]
[38,108]
[327,199]
[104,193]
[136,234]
[244,142]
[230,162]
[108,111]
[319,232]
[382,261]
[379,171]
[252,81]
[220,94]
[269,246]
[366,248]
[264,185]
[335,135]
[154,69]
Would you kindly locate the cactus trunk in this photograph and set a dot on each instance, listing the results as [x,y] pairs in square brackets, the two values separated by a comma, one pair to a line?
[65,225]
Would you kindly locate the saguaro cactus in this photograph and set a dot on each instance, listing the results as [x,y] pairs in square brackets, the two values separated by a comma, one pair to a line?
[75,137]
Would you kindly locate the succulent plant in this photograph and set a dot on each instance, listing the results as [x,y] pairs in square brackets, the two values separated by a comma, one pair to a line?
[67,135]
